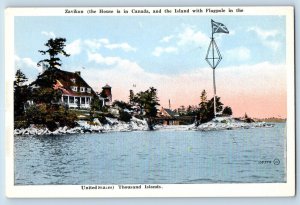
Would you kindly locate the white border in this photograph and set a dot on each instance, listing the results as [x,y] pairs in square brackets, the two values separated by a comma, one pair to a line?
[173,190]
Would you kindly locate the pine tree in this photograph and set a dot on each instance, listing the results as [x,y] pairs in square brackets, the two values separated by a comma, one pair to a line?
[21,93]
[55,47]
[45,93]
[147,101]
[131,97]
[20,78]
[203,98]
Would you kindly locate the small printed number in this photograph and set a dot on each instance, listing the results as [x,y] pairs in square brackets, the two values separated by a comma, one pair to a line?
[264,162]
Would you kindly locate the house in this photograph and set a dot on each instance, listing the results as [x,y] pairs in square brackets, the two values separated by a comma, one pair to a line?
[76,93]
[168,116]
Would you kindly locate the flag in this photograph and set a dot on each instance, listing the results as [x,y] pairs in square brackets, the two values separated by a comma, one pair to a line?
[218,27]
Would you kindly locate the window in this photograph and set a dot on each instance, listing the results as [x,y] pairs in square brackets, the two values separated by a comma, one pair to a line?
[89,90]
[77,100]
[88,100]
[65,99]
[71,99]
[82,89]
[82,100]
[74,88]
[73,80]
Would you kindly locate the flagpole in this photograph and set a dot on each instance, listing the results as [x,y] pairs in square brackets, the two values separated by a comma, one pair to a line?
[213,67]
[213,49]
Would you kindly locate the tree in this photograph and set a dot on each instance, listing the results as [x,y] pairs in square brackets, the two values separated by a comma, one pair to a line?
[121,104]
[95,106]
[20,78]
[203,98]
[210,107]
[131,97]
[227,110]
[147,101]
[21,93]
[47,111]
[55,47]
[45,93]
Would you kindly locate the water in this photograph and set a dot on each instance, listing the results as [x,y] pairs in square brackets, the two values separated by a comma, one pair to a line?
[164,157]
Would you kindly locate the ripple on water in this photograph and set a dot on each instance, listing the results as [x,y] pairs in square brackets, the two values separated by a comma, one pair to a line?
[151,157]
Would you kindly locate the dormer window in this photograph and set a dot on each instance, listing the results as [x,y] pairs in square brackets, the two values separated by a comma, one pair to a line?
[73,80]
[82,89]
[74,88]
[89,90]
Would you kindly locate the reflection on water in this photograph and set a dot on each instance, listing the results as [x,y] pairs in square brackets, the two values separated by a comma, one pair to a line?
[190,157]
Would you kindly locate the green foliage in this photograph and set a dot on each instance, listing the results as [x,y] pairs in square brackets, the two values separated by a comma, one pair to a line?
[52,118]
[205,111]
[131,97]
[227,110]
[121,104]
[147,102]
[46,95]
[21,93]
[18,124]
[124,116]
[95,103]
[55,47]
[20,78]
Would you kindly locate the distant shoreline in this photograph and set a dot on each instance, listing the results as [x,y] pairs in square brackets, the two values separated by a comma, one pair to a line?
[271,119]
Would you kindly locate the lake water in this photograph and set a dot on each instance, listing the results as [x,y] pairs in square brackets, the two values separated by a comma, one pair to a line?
[164,157]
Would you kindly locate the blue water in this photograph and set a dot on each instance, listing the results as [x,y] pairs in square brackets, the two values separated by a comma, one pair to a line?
[164,157]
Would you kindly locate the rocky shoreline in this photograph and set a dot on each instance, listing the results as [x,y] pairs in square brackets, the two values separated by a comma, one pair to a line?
[113,125]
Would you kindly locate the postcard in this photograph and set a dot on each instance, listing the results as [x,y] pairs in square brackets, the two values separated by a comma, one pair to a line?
[150,102]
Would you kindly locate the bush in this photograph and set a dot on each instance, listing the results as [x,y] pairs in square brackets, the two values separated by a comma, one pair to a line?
[51,117]
[227,111]
[21,124]
[124,116]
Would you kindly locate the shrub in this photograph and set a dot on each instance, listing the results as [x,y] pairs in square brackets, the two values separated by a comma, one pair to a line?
[124,116]
[227,111]
[51,117]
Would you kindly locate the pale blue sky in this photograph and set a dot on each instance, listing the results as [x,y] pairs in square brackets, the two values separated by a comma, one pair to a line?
[157,44]
[168,53]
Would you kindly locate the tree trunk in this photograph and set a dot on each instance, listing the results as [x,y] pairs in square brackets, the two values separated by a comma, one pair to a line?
[150,124]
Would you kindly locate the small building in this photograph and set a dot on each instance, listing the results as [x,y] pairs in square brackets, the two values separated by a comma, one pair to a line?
[168,116]
[105,96]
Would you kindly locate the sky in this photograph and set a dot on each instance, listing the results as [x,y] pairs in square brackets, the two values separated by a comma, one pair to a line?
[168,53]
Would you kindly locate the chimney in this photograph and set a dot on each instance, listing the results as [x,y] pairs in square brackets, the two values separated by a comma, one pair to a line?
[77,72]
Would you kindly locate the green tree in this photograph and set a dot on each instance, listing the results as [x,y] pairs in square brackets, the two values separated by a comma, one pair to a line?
[45,92]
[47,109]
[147,101]
[95,106]
[20,79]
[21,93]
[131,97]
[203,98]
[227,110]
[55,47]
[124,116]
[210,107]
[121,104]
